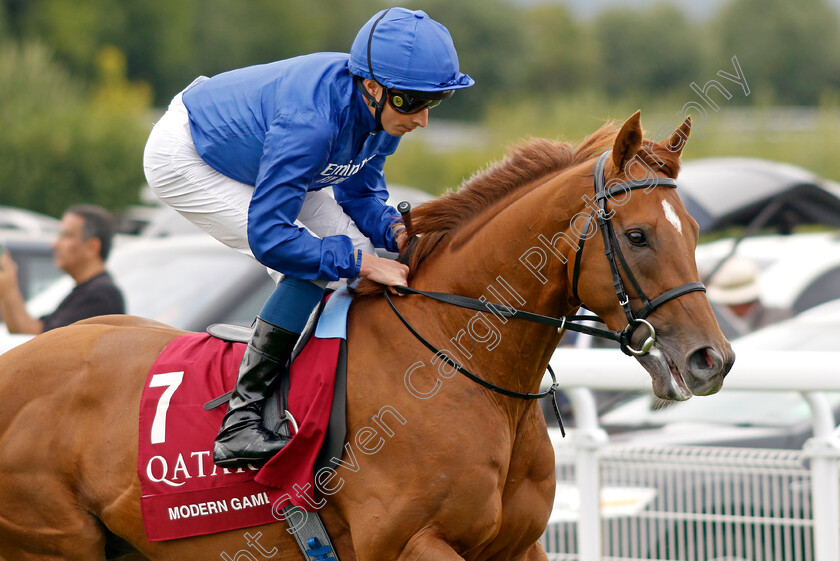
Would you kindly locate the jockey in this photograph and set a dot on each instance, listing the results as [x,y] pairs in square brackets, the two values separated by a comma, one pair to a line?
[245,155]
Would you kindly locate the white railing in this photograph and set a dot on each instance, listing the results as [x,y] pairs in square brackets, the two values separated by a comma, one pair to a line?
[581,370]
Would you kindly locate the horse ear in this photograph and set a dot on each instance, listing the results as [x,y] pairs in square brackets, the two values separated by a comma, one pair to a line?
[676,142]
[628,141]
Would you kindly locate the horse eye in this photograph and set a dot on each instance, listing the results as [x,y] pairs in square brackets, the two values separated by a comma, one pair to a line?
[637,238]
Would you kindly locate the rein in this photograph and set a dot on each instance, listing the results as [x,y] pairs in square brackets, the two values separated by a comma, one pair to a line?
[614,256]
[468,303]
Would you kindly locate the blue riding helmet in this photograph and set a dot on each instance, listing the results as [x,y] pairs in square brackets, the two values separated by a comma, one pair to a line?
[407,50]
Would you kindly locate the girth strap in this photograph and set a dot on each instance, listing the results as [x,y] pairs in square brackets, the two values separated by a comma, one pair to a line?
[310,534]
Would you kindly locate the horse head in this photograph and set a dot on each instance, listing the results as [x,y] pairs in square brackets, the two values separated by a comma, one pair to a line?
[647,289]
[649,281]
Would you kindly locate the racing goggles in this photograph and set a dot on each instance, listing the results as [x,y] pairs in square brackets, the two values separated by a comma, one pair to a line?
[408,102]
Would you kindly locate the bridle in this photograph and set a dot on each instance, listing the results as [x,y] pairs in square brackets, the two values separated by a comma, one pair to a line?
[615,258]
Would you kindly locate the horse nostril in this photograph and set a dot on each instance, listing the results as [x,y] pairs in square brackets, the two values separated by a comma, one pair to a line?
[704,360]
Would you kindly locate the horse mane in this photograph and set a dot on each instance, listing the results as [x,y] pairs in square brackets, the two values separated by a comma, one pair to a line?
[516,173]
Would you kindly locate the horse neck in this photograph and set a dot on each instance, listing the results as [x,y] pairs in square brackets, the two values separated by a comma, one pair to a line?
[498,261]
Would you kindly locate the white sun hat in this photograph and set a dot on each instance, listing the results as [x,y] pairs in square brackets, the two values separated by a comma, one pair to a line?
[736,282]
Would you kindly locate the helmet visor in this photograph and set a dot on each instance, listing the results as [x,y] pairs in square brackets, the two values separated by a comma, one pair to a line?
[407,102]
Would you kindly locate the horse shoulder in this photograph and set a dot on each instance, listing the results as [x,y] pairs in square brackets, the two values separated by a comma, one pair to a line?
[438,465]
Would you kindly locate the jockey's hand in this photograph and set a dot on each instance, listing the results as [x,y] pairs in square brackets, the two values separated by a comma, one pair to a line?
[383,271]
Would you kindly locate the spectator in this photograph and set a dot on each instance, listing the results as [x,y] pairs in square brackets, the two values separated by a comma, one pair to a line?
[737,286]
[81,249]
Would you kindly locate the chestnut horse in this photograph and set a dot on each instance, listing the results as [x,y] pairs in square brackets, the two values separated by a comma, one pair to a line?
[469,475]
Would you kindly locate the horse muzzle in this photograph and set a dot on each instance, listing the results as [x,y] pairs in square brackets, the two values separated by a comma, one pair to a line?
[706,369]
[700,372]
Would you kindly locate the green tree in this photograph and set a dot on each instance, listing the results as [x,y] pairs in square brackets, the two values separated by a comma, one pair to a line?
[73,30]
[158,39]
[342,20]
[647,52]
[490,38]
[562,54]
[787,50]
[3,22]
[60,145]
[170,42]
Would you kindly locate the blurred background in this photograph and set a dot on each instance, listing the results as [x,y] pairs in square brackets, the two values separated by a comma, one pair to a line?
[82,81]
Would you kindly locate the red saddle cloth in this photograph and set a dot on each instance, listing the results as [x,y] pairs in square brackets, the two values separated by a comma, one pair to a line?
[183,492]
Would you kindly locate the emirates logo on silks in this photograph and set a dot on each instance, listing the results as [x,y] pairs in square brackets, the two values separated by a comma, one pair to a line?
[336,173]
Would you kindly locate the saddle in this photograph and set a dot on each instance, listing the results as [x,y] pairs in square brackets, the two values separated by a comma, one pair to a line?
[185,495]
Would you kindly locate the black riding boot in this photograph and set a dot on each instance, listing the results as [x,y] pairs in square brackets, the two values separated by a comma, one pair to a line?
[242,438]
